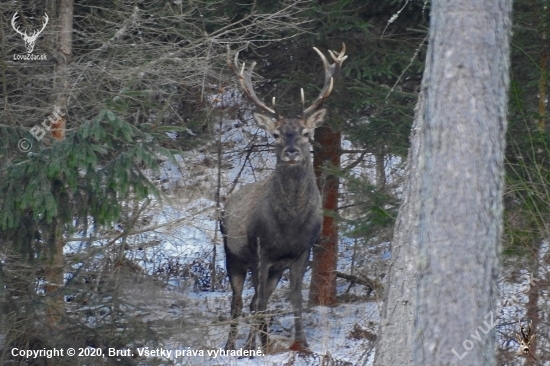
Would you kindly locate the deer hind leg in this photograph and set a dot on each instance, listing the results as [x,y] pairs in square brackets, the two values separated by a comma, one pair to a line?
[237,275]
[297,270]
[251,340]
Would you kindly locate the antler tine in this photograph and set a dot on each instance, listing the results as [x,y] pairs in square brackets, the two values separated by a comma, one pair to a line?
[46,18]
[245,78]
[331,71]
[340,58]
[37,32]
[275,109]
[529,329]
[16,27]
[303,99]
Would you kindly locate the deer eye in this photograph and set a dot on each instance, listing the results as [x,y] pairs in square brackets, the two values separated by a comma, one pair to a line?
[306,134]
[276,135]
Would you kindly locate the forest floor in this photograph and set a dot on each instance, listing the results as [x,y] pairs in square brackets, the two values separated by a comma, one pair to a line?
[194,327]
[191,319]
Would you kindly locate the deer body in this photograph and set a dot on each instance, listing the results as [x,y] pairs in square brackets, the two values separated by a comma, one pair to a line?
[280,211]
[271,225]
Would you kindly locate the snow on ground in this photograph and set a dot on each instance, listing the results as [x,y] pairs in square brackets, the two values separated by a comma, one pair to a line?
[200,322]
[203,317]
[183,231]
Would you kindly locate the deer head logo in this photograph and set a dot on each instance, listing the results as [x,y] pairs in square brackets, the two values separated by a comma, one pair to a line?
[525,339]
[29,40]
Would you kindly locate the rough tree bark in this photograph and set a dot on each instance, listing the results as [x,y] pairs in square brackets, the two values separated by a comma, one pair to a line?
[395,343]
[325,253]
[54,271]
[64,56]
[448,230]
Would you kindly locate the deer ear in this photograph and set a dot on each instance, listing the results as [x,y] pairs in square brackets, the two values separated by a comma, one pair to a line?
[264,122]
[316,118]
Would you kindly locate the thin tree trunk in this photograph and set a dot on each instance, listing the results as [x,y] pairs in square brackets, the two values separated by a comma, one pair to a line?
[54,272]
[64,56]
[380,168]
[543,24]
[325,253]
[54,279]
[532,312]
[542,89]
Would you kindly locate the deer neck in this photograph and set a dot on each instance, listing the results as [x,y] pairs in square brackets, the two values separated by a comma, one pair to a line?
[294,187]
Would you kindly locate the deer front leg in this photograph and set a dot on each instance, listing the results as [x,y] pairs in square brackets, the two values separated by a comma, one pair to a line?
[297,270]
[272,281]
[236,278]
[258,306]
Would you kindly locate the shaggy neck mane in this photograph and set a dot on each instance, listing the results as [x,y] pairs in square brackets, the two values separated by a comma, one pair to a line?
[292,188]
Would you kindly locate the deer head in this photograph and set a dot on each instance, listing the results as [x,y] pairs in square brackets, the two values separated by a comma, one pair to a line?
[525,339]
[291,134]
[29,40]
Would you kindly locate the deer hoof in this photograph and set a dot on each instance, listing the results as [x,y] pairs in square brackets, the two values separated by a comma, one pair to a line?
[229,346]
[298,346]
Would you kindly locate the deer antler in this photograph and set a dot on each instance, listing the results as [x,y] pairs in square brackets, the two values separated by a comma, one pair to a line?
[24,34]
[246,81]
[16,28]
[331,71]
[46,18]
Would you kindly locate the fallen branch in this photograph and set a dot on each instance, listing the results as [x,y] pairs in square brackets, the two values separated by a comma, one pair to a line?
[371,284]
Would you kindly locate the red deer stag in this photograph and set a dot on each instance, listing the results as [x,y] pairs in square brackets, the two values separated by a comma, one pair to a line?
[271,225]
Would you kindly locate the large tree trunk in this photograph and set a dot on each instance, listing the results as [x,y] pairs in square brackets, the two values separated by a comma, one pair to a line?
[394,342]
[461,182]
[325,253]
[452,207]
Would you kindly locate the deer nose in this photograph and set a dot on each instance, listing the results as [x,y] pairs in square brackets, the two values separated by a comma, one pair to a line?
[292,153]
